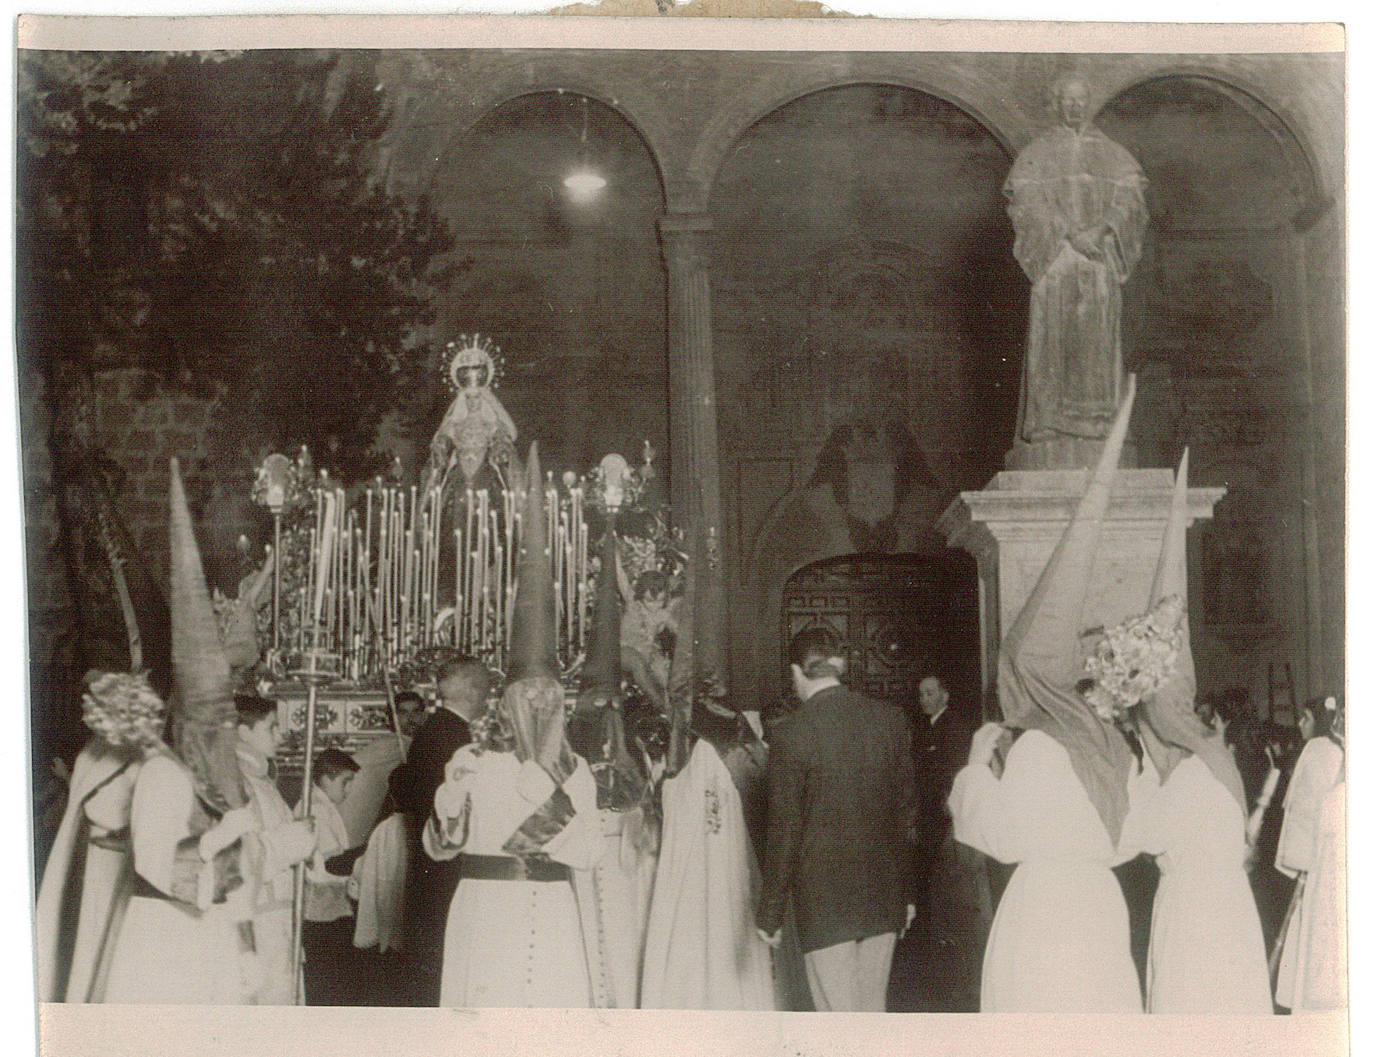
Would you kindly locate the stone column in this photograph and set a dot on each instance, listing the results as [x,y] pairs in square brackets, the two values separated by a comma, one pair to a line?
[692,433]
[691,369]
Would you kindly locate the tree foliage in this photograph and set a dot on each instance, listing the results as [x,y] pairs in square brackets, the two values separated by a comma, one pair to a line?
[216,221]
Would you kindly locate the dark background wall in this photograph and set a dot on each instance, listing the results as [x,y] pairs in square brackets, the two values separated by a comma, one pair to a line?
[1214,320]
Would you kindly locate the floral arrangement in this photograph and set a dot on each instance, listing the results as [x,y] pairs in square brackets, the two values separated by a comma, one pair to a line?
[295,572]
[1133,659]
[124,710]
[420,669]
[226,612]
[653,547]
[622,491]
[639,555]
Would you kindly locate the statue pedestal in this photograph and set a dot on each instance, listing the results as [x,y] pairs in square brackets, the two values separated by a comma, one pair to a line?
[1012,526]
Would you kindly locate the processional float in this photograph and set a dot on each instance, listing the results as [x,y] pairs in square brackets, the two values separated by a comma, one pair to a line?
[374,584]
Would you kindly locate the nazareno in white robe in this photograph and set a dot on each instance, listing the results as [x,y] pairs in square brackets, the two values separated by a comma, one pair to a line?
[379,883]
[513,943]
[1206,945]
[272,887]
[169,951]
[99,803]
[613,897]
[702,950]
[1319,964]
[1060,942]
[1316,773]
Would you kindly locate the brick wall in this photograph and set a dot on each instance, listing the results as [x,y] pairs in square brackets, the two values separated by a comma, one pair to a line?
[140,426]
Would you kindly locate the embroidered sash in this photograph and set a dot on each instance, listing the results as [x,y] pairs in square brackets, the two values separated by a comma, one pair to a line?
[541,827]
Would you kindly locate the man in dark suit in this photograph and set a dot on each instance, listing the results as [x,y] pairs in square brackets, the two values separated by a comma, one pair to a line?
[463,687]
[940,741]
[840,807]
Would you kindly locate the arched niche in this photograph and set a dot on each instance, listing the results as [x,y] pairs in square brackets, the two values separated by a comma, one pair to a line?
[1304,193]
[901,616]
[1215,320]
[868,327]
[985,103]
[571,287]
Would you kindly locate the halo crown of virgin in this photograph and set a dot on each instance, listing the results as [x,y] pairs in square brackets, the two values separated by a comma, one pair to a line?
[474,362]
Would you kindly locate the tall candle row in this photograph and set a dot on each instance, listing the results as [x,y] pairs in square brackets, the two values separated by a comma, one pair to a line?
[375,590]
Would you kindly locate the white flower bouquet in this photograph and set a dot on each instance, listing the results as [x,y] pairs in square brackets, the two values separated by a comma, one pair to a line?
[1134,658]
[124,710]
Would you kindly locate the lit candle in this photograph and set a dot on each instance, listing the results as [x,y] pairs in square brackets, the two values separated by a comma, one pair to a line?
[325,556]
[458,576]
[475,589]
[569,594]
[581,581]
[499,634]
[307,614]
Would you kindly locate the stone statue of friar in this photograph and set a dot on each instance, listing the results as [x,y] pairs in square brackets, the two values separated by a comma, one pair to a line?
[1077,202]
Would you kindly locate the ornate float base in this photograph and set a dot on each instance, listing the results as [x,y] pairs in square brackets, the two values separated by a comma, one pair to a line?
[346,717]
[1011,527]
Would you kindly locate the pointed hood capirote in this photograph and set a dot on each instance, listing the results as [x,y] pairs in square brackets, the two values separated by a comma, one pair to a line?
[533,698]
[534,616]
[600,723]
[204,719]
[601,676]
[1039,665]
[1169,710]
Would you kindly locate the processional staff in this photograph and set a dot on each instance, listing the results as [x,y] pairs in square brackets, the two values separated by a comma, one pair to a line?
[314,673]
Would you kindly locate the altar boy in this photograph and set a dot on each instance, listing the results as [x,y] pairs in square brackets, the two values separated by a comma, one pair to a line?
[282,841]
[329,919]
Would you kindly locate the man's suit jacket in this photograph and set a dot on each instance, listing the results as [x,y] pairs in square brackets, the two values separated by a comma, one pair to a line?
[430,884]
[840,805]
[940,750]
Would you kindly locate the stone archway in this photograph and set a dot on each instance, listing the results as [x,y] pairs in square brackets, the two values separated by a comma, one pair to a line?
[1215,322]
[868,319]
[732,120]
[572,288]
[1296,148]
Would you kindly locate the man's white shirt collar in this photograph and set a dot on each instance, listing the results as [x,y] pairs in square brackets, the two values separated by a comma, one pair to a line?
[824,684]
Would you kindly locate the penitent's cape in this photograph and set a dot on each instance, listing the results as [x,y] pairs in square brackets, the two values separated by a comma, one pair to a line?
[702,950]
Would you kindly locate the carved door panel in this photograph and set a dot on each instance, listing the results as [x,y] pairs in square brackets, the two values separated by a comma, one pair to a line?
[903,617]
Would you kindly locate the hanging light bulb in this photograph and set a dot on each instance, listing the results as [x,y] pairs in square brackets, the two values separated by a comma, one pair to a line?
[584,183]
